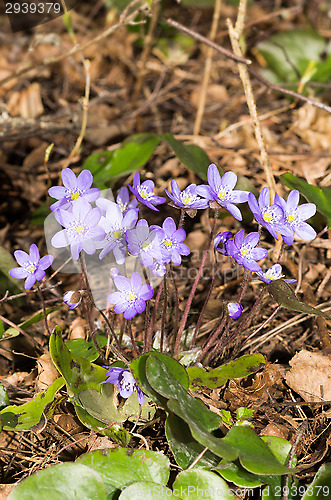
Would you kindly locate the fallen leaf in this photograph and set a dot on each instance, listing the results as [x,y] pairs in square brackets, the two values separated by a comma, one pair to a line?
[310,376]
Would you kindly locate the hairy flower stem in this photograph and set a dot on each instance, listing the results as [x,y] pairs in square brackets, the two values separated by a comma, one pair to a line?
[176,321]
[164,312]
[212,339]
[89,301]
[196,330]
[150,327]
[280,252]
[194,287]
[40,293]
[181,219]
[134,345]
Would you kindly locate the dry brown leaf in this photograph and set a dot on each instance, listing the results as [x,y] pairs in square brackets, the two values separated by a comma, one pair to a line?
[77,329]
[47,373]
[215,94]
[26,103]
[310,376]
[313,125]
[274,429]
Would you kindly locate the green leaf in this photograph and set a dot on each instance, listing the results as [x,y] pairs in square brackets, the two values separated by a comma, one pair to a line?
[108,166]
[191,155]
[86,348]
[32,414]
[320,487]
[93,400]
[63,481]
[190,483]
[236,474]
[38,316]
[320,196]
[123,466]
[138,367]
[184,447]
[241,367]
[254,454]
[282,293]
[4,399]
[7,282]
[146,489]
[297,55]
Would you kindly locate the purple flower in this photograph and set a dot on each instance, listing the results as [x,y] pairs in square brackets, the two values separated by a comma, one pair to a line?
[81,228]
[131,297]
[32,267]
[145,192]
[126,382]
[234,310]
[269,216]
[172,245]
[220,241]
[220,189]
[73,189]
[187,198]
[243,250]
[295,217]
[123,201]
[145,242]
[115,225]
[273,273]
[72,298]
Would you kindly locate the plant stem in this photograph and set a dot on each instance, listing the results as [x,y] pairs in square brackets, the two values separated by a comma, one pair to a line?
[194,287]
[164,312]
[44,310]
[150,328]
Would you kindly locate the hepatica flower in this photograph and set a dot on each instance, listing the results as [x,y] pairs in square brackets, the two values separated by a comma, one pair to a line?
[115,225]
[145,192]
[32,267]
[295,216]
[273,273]
[131,295]
[244,251]
[73,188]
[81,229]
[172,245]
[144,242]
[125,381]
[234,310]
[123,201]
[72,299]
[187,198]
[220,241]
[269,216]
[220,189]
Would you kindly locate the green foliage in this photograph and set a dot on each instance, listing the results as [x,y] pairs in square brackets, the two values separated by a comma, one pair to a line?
[241,367]
[121,467]
[108,166]
[6,281]
[4,400]
[190,483]
[31,415]
[65,481]
[93,401]
[86,348]
[320,196]
[282,293]
[296,55]
[320,487]
[13,332]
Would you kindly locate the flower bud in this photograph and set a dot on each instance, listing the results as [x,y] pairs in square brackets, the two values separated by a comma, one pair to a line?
[235,310]
[72,298]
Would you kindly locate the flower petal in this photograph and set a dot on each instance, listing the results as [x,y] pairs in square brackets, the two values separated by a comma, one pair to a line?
[122,283]
[46,261]
[60,239]
[229,180]
[69,179]
[214,177]
[57,192]
[233,211]
[84,180]
[264,198]
[30,281]
[21,257]
[306,211]
[18,272]
[305,231]
[292,200]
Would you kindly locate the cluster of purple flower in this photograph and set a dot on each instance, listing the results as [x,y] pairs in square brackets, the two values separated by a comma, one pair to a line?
[114,227]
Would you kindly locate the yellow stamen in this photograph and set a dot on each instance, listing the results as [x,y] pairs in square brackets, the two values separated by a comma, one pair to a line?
[290,218]
[32,268]
[132,296]
[221,194]
[167,243]
[267,217]
[117,234]
[186,200]
[74,196]
[79,229]
[244,252]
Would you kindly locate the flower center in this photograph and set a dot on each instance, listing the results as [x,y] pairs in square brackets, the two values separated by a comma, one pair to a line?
[267,216]
[74,196]
[32,268]
[122,206]
[244,251]
[290,218]
[117,234]
[146,245]
[167,243]
[222,194]
[185,200]
[273,275]
[131,296]
[79,228]
[144,193]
